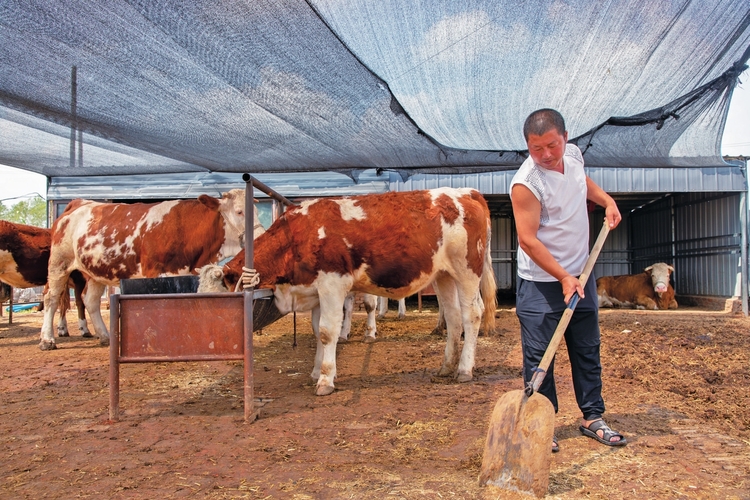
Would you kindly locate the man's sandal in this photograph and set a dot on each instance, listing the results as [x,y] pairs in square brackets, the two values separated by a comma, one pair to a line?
[608,434]
[555,446]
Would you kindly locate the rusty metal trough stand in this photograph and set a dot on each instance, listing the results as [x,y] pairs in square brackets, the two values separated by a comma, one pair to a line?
[161,320]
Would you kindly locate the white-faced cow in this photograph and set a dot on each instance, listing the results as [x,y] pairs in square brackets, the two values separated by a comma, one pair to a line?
[112,241]
[392,245]
[648,290]
[24,257]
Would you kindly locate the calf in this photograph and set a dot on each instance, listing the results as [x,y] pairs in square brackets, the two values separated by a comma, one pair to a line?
[112,241]
[24,256]
[648,290]
[392,245]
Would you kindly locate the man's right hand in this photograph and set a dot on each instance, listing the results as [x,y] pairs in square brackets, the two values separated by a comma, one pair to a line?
[571,285]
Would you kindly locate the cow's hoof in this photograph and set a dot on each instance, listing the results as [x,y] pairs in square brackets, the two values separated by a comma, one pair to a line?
[369,340]
[445,372]
[47,346]
[342,340]
[464,377]
[104,341]
[87,335]
[62,334]
[324,390]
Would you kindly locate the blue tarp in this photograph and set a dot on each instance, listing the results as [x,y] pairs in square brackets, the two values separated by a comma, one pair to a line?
[106,87]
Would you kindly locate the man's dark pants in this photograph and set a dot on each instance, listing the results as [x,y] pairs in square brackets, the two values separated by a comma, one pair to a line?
[539,307]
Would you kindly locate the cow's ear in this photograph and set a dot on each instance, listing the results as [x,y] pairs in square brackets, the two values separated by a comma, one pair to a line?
[648,269]
[209,201]
[671,269]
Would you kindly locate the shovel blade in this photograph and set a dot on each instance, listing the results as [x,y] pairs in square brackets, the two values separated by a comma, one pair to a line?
[518,450]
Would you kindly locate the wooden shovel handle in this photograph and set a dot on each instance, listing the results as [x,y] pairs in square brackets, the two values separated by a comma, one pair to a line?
[549,354]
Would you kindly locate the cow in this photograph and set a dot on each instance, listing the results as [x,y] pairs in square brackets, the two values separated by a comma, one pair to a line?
[24,257]
[112,241]
[648,290]
[393,245]
[211,280]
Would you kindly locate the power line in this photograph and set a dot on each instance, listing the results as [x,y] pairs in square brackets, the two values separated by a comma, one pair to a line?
[27,195]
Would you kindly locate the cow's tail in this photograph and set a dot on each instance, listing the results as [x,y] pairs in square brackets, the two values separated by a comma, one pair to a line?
[488,287]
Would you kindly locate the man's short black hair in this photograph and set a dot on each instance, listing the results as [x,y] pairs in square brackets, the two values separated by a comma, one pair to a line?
[542,121]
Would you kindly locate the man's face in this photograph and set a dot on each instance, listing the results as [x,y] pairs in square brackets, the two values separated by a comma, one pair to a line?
[548,149]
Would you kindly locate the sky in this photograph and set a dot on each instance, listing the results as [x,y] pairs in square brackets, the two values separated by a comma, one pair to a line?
[17,185]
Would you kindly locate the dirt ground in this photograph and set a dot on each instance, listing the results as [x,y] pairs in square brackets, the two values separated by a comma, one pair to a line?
[676,383]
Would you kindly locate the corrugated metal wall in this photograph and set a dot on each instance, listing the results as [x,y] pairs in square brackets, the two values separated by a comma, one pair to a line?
[504,245]
[614,258]
[699,233]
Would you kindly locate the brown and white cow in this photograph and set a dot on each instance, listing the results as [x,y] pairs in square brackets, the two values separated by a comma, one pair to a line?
[112,241]
[392,245]
[211,280]
[24,257]
[648,290]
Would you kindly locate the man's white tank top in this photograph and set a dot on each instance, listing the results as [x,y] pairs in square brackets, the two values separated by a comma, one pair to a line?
[564,222]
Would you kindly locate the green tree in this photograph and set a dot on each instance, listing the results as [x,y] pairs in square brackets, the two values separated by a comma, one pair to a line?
[31,212]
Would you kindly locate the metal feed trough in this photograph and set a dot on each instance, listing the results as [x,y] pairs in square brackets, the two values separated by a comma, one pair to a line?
[163,319]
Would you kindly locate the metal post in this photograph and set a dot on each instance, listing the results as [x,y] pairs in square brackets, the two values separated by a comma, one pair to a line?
[114,358]
[743,252]
[250,414]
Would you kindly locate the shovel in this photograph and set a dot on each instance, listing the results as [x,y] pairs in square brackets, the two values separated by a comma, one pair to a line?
[518,449]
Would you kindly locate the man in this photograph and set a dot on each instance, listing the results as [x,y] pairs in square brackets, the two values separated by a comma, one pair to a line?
[549,194]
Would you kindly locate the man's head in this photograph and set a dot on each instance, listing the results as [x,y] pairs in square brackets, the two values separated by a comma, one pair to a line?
[545,134]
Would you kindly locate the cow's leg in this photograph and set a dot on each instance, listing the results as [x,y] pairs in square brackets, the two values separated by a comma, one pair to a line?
[62,323]
[346,326]
[93,303]
[56,284]
[440,327]
[382,307]
[315,320]
[644,302]
[79,284]
[371,304]
[472,309]
[604,300]
[332,291]
[447,295]
[401,308]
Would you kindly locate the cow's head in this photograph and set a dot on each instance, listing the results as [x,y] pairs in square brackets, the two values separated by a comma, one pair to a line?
[231,206]
[232,271]
[660,273]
